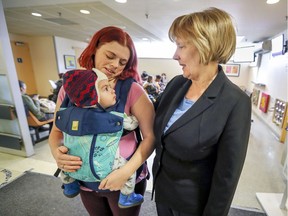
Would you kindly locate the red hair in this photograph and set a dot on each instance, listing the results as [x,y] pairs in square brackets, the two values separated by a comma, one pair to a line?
[106,35]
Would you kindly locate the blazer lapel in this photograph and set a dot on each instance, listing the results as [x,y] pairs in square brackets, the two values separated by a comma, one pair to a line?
[204,102]
[174,102]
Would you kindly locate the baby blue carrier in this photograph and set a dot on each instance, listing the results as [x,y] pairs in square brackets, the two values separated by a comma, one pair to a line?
[87,132]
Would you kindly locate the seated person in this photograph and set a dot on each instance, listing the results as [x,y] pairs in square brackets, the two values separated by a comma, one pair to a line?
[58,84]
[144,76]
[151,88]
[158,82]
[33,104]
[95,92]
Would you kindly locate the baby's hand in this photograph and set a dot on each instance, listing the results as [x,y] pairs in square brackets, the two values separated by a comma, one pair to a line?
[114,181]
[130,122]
[68,163]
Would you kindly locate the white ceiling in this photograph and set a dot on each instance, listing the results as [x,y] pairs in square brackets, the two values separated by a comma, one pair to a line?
[255,19]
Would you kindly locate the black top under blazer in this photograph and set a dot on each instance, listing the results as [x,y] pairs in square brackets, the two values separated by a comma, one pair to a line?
[199,160]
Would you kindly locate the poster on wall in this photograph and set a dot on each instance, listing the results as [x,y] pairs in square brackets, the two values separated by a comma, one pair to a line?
[231,69]
[264,102]
[255,96]
[70,61]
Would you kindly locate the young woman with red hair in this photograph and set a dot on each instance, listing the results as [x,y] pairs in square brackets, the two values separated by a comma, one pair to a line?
[111,50]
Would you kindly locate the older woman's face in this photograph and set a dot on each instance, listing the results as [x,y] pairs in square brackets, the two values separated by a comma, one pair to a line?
[188,57]
[111,58]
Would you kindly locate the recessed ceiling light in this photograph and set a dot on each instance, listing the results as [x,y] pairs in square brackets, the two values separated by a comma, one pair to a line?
[145,39]
[36,14]
[120,26]
[272,1]
[121,1]
[84,11]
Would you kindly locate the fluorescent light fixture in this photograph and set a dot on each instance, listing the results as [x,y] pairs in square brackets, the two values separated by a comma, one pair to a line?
[272,1]
[277,45]
[121,1]
[84,11]
[120,26]
[36,14]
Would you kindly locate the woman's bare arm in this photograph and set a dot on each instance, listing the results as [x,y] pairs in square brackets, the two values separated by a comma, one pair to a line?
[64,161]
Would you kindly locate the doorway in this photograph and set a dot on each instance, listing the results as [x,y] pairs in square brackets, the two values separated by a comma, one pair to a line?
[23,64]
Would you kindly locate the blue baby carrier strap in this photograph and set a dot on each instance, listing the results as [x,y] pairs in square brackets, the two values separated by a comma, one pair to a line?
[103,153]
[89,121]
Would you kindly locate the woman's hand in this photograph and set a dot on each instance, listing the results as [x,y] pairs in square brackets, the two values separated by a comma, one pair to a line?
[115,180]
[65,162]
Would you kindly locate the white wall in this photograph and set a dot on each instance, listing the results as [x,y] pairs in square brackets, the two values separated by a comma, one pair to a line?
[157,66]
[65,46]
[273,74]
[171,67]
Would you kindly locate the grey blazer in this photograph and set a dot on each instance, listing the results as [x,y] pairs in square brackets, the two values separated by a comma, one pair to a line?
[199,160]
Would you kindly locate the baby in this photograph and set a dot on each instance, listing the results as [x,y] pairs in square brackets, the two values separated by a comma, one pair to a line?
[91,89]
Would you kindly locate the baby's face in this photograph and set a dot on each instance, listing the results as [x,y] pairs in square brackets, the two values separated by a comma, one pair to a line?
[107,94]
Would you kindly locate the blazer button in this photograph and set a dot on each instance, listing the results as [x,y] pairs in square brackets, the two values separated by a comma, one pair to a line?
[118,123]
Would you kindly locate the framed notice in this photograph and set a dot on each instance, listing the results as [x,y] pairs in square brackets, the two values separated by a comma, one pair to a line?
[264,102]
[255,96]
[280,108]
[70,61]
[231,69]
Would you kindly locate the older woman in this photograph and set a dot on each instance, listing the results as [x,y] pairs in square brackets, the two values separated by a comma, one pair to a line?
[202,121]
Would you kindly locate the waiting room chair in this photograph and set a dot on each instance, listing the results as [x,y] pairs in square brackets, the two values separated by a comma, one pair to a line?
[34,123]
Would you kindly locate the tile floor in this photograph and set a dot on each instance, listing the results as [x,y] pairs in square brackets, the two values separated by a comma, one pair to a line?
[262,170]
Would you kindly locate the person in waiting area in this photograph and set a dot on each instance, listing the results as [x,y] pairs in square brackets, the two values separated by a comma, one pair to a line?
[33,104]
[158,82]
[99,95]
[58,85]
[151,88]
[202,122]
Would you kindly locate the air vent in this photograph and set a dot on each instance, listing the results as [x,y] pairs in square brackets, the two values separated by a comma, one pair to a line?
[60,21]
[266,47]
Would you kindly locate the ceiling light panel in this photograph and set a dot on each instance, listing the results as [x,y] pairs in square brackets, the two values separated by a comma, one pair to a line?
[36,14]
[84,11]
[272,1]
[121,1]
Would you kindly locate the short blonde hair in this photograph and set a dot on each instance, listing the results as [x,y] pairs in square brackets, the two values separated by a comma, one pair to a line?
[211,31]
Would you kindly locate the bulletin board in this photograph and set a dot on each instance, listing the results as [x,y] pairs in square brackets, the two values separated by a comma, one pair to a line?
[255,96]
[279,113]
